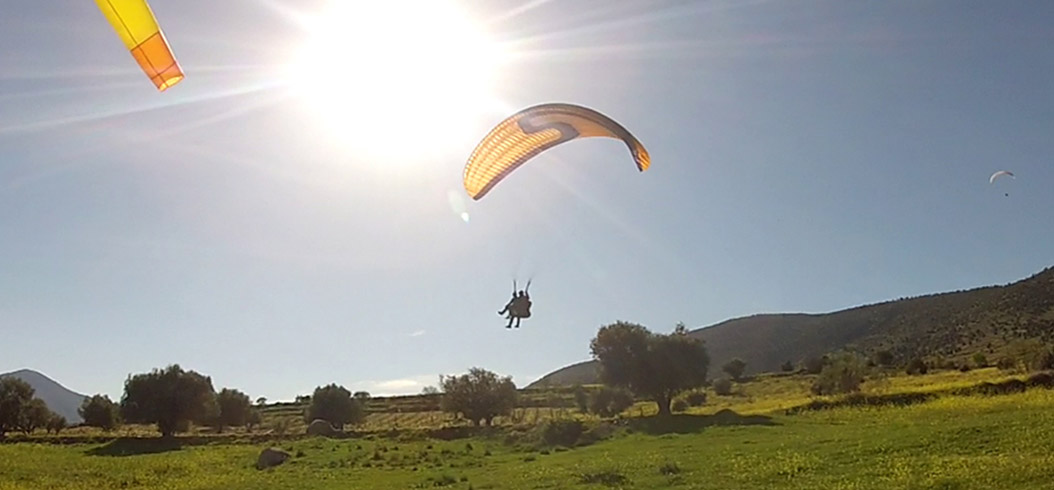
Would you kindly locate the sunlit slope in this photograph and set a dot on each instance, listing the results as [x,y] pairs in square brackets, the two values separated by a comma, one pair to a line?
[951,326]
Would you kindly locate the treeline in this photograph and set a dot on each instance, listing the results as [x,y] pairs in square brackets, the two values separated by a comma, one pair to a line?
[21,410]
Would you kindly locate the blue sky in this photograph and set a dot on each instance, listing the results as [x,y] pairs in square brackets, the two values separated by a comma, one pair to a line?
[807,157]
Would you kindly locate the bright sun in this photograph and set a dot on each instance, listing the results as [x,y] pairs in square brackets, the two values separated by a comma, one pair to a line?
[396,79]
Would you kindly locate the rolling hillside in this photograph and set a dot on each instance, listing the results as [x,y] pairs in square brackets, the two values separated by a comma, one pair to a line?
[58,398]
[950,325]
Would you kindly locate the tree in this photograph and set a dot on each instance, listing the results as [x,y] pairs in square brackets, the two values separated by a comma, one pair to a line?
[651,365]
[844,374]
[814,364]
[735,368]
[15,395]
[787,367]
[429,390]
[261,401]
[171,397]
[334,404]
[916,366]
[608,402]
[99,411]
[233,408]
[723,387]
[361,396]
[35,414]
[581,399]
[478,396]
[884,358]
[55,423]
[253,420]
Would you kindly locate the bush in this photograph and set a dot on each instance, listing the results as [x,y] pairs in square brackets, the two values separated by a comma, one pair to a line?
[561,432]
[723,387]
[735,368]
[1006,363]
[843,375]
[581,399]
[334,404]
[916,366]
[813,365]
[884,358]
[787,367]
[980,360]
[608,402]
[478,396]
[679,405]
[696,398]
[99,411]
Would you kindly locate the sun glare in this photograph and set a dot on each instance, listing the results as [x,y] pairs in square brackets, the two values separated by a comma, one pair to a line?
[396,80]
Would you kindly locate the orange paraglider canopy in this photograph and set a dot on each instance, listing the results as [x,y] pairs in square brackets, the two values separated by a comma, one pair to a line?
[136,26]
[533,130]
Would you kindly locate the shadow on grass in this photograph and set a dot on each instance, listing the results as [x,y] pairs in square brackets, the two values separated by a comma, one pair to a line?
[130,446]
[689,424]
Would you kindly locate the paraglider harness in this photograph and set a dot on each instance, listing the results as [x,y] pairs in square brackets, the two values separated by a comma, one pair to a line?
[519,307]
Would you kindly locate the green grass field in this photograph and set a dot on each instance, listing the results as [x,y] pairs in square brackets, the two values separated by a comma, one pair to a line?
[952,442]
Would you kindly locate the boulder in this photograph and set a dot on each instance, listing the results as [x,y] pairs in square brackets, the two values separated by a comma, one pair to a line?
[319,427]
[271,456]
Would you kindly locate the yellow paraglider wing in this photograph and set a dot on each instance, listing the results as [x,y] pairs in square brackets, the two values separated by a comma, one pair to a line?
[531,131]
[136,26]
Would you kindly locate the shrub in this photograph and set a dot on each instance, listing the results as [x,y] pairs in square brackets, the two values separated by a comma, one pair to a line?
[813,365]
[723,387]
[916,366]
[334,404]
[669,468]
[99,411]
[696,398]
[980,360]
[608,402]
[843,375]
[610,478]
[679,405]
[561,432]
[735,368]
[787,367]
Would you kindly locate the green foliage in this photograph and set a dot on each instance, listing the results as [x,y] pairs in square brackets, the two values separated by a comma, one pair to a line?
[99,411]
[723,387]
[883,358]
[844,374]
[609,402]
[679,405]
[561,432]
[581,399]
[35,414]
[696,398]
[334,404]
[15,396]
[170,397]
[479,395]
[654,365]
[735,368]
[361,396]
[814,364]
[56,423]
[980,360]
[787,367]
[254,419]
[234,408]
[916,366]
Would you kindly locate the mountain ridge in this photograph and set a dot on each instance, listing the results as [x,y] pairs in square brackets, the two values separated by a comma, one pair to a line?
[949,325]
[57,397]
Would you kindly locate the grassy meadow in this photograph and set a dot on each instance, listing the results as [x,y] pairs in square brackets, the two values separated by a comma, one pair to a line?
[747,440]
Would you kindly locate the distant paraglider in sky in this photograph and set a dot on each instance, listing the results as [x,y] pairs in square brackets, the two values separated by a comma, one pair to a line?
[1001,173]
[991,180]
[138,29]
[533,130]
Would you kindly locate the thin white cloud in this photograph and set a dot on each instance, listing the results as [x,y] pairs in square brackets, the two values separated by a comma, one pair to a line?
[417,333]
[400,386]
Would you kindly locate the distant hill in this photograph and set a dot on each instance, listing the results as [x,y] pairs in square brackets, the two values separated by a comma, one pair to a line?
[950,326]
[58,398]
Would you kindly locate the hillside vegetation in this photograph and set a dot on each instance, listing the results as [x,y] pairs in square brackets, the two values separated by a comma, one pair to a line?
[946,327]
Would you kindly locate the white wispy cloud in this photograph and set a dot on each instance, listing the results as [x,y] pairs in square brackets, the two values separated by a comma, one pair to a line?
[417,333]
